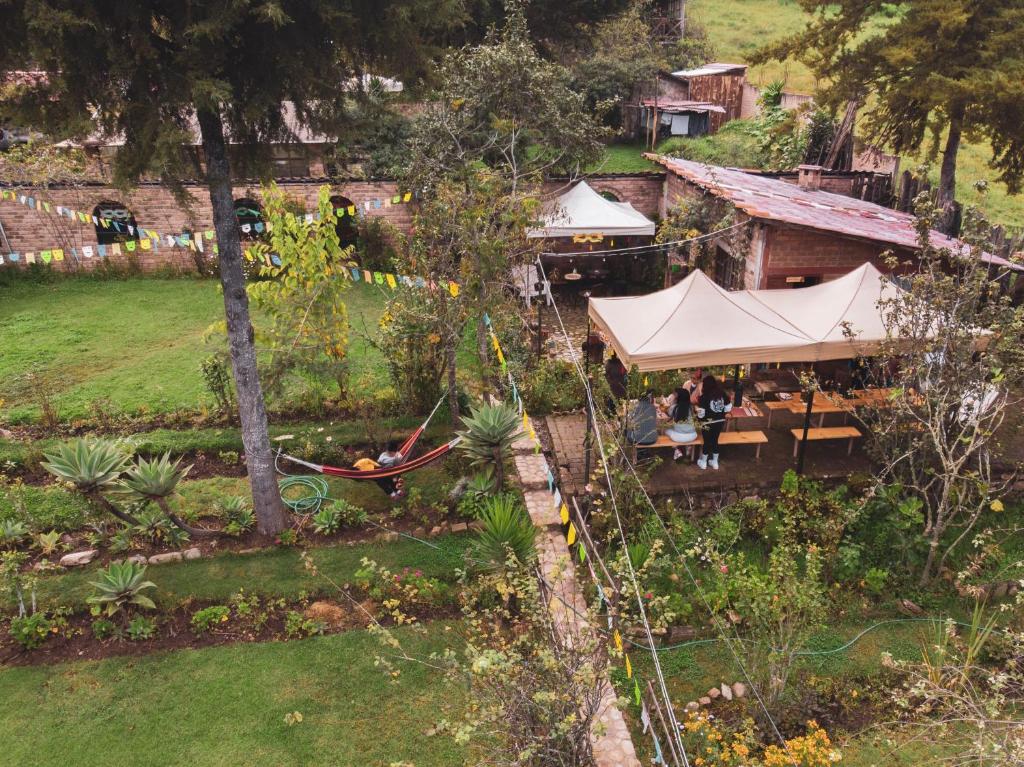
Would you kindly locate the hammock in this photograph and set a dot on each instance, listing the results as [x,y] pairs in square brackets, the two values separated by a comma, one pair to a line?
[390,471]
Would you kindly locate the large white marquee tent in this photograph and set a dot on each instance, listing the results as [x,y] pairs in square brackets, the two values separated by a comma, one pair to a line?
[698,323]
[581,210]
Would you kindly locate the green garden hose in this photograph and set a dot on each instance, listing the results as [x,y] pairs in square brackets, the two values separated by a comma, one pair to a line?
[312,495]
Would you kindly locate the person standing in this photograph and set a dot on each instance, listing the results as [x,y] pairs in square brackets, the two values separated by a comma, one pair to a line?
[615,374]
[711,409]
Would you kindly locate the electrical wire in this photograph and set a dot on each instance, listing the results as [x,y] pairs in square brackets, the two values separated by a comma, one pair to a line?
[622,536]
[652,246]
[593,414]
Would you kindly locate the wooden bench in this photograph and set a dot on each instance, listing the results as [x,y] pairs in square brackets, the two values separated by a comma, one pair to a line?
[757,438]
[828,432]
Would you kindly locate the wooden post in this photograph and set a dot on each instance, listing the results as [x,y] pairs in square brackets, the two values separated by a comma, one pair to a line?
[540,317]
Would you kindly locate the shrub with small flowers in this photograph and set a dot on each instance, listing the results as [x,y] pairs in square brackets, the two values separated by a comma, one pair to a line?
[399,591]
[710,744]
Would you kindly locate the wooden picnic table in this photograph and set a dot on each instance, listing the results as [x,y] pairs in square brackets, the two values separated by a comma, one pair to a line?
[820,408]
[747,410]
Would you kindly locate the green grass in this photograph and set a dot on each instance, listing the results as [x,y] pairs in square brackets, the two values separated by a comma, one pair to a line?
[135,344]
[43,508]
[276,572]
[623,158]
[226,706]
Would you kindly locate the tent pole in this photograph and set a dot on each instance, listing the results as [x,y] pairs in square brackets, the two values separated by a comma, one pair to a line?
[807,425]
[590,413]
[540,317]
[737,391]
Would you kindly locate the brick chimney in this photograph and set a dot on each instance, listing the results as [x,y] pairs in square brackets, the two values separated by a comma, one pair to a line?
[809,177]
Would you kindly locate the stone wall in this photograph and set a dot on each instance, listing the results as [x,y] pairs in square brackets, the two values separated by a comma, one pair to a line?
[156,208]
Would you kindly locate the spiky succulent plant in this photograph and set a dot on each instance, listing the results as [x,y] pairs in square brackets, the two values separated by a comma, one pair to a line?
[487,440]
[119,585]
[506,530]
[153,479]
[89,464]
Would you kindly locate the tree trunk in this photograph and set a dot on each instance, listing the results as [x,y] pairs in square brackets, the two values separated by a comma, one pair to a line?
[453,389]
[947,177]
[195,532]
[271,517]
[926,573]
[99,500]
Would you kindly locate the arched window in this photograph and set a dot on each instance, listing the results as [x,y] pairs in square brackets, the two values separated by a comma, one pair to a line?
[610,196]
[348,231]
[114,223]
[249,215]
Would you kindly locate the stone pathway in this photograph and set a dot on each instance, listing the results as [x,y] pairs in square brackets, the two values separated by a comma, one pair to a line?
[614,748]
[575,320]
[567,435]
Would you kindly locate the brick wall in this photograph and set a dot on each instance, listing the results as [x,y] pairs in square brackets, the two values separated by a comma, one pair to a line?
[792,252]
[155,208]
[643,190]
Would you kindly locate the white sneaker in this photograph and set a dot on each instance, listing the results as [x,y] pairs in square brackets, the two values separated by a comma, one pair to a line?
[713,463]
[702,462]
[677,454]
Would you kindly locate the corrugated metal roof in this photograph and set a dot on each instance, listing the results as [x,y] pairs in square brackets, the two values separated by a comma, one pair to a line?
[716,68]
[773,200]
[679,105]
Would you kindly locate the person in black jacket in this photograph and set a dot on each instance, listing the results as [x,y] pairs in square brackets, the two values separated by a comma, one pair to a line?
[711,409]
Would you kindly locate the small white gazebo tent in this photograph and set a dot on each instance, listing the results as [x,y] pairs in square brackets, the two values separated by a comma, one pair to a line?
[581,210]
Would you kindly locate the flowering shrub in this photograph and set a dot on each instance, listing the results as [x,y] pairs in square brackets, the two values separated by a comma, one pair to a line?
[709,744]
[398,591]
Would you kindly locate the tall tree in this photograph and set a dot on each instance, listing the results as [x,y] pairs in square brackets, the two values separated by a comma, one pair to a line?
[926,68]
[157,73]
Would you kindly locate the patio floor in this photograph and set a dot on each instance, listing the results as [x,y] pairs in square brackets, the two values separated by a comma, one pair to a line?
[739,470]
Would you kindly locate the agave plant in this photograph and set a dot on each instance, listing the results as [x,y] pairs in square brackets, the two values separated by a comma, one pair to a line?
[507,531]
[89,464]
[121,584]
[156,481]
[487,440]
[92,466]
[12,532]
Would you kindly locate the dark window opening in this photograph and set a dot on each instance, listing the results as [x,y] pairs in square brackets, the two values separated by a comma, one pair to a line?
[249,216]
[114,223]
[610,196]
[347,229]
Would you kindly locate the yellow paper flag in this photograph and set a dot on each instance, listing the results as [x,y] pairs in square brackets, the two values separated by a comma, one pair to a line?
[391,281]
[629,669]
[618,640]
[453,288]
[565,514]
[571,537]
[58,254]
[146,244]
[406,197]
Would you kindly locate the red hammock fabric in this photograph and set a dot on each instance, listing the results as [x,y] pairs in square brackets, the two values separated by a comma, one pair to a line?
[392,471]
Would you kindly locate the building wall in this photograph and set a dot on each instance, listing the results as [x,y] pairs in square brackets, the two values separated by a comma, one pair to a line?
[724,90]
[155,208]
[796,252]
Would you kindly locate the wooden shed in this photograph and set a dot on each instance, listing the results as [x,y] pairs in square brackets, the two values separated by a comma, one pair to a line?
[719,84]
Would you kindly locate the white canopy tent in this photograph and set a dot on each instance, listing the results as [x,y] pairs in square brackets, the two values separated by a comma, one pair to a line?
[698,323]
[581,210]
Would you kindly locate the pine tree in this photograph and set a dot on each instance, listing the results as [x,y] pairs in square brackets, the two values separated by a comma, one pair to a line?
[939,69]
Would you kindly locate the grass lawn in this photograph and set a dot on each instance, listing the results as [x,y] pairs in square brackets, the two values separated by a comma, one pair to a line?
[226,706]
[135,343]
[277,572]
[623,158]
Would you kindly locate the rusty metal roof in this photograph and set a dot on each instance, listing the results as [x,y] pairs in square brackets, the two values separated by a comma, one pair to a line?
[770,199]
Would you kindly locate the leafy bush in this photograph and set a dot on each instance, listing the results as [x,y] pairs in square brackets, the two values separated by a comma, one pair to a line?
[296,625]
[398,590]
[31,631]
[553,386]
[217,378]
[205,619]
[507,532]
[478,489]
[121,584]
[332,517]
[48,543]
[103,628]
[875,580]
[140,627]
